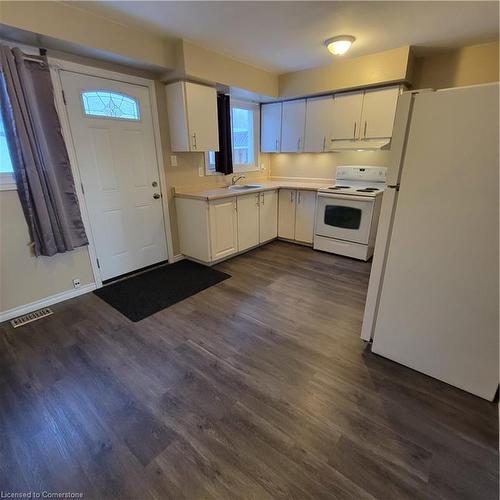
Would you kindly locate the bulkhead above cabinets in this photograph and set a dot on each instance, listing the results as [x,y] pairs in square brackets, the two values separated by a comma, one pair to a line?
[347,121]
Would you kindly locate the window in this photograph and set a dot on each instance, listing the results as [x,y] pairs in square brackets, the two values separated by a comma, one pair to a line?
[110,105]
[6,170]
[245,127]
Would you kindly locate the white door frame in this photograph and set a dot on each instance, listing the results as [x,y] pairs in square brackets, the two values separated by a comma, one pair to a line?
[58,65]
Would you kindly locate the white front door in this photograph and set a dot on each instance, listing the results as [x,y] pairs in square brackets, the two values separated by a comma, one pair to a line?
[112,131]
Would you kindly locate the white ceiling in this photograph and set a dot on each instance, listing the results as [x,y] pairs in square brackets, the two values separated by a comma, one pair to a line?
[287,36]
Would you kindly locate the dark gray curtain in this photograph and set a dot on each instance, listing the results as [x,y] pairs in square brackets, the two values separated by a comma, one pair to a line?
[41,165]
[224,157]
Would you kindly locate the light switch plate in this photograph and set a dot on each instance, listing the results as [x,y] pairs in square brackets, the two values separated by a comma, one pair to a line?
[173,160]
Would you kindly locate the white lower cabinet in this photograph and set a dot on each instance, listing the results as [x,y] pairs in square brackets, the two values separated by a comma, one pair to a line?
[248,209]
[305,209]
[268,216]
[213,230]
[286,214]
[296,215]
[223,228]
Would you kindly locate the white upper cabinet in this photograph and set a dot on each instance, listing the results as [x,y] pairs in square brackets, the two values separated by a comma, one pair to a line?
[347,116]
[319,124]
[379,108]
[192,117]
[292,126]
[270,140]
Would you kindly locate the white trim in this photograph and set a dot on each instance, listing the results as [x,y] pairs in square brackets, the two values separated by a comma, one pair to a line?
[58,65]
[255,108]
[207,163]
[47,301]
[68,139]
[7,181]
[177,258]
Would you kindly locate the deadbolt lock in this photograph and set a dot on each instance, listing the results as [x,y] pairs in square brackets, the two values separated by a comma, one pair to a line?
[154,184]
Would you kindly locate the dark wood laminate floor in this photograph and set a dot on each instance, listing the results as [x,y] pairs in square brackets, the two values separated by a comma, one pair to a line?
[257,388]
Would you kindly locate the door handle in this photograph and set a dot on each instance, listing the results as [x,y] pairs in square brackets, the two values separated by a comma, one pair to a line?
[354,133]
[156,196]
[154,184]
[394,186]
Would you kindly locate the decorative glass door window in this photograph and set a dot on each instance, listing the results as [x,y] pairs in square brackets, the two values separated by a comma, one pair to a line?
[106,104]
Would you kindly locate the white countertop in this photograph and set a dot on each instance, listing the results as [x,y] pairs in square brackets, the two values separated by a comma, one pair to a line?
[215,193]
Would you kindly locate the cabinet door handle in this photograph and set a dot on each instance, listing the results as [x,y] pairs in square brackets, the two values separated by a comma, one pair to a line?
[298,144]
[354,134]
[291,196]
[324,142]
[298,198]
[365,130]
[257,197]
[263,197]
[194,141]
[277,141]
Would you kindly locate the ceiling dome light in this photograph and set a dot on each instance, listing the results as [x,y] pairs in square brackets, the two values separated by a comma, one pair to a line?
[339,45]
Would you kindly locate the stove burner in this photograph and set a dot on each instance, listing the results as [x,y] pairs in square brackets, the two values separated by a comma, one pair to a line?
[340,187]
[367,190]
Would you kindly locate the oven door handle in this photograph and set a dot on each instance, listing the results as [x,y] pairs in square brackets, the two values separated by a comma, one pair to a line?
[368,199]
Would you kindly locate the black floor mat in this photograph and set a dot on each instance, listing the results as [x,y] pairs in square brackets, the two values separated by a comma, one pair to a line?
[144,294]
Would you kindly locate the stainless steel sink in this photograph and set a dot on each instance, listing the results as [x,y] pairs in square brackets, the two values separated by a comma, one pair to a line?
[242,187]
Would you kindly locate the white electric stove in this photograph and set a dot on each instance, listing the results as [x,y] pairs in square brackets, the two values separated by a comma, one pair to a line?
[347,211]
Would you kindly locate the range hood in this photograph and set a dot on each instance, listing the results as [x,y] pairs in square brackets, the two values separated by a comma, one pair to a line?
[360,144]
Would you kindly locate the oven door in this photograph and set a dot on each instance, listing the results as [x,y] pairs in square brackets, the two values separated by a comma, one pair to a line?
[344,217]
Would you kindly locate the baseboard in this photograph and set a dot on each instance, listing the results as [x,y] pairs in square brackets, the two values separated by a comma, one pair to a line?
[48,301]
[177,258]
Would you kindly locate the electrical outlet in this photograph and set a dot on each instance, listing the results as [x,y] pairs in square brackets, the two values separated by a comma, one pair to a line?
[201,171]
[76,283]
[173,160]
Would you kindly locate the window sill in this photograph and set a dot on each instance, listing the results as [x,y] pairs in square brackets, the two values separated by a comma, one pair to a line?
[7,182]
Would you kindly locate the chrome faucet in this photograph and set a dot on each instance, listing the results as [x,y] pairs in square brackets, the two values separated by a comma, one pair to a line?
[235,179]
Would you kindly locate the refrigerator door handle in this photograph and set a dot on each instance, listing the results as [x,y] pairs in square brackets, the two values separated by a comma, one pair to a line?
[394,186]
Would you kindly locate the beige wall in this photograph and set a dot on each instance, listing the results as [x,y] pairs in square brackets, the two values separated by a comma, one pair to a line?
[24,278]
[323,165]
[210,66]
[68,23]
[455,68]
[374,69]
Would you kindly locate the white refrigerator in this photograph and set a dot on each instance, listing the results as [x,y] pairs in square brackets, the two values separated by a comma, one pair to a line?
[433,300]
